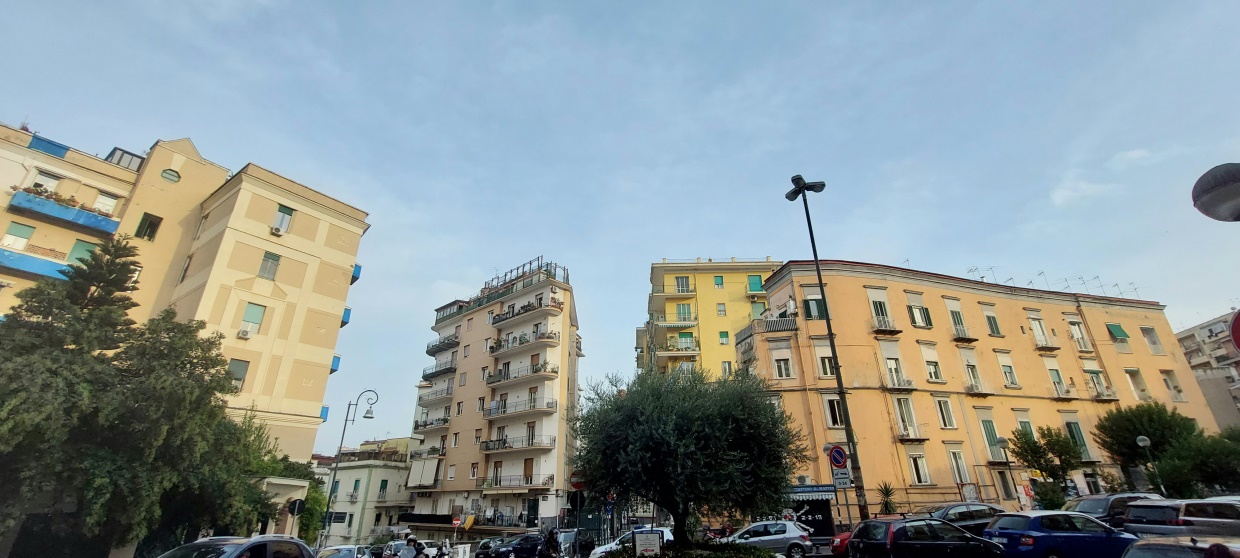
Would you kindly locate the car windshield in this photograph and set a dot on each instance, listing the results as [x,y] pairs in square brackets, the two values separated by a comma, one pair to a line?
[1009,522]
[929,510]
[1156,513]
[201,550]
[1092,506]
[1165,551]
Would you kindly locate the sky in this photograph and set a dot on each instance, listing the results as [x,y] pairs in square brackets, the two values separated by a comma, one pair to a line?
[1018,138]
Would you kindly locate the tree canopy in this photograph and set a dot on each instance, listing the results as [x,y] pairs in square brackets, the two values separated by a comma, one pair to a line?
[1052,452]
[1117,431]
[687,444]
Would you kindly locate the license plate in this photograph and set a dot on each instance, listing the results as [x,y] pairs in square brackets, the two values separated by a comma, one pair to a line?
[1000,540]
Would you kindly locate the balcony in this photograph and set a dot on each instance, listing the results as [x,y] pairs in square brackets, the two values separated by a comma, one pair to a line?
[1082,345]
[908,434]
[344,318]
[537,405]
[18,261]
[436,395]
[442,344]
[517,481]
[538,372]
[29,201]
[1177,395]
[535,340]
[382,497]
[899,383]
[439,369]
[428,453]
[674,321]
[1044,343]
[353,496]
[431,424]
[679,345]
[529,310]
[978,389]
[357,273]
[1198,359]
[675,291]
[335,364]
[1063,392]
[53,148]
[518,443]
[961,334]
[766,326]
[580,353]
[1144,395]
[1102,393]
[884,325]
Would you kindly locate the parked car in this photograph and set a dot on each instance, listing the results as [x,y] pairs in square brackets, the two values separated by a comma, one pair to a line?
[970,516]
[485,546]
[1056,534]
[1180,547]
[376,551]
[917,537]
[235,547]
[1183,517]
[839,544]
[345,551]
[522,546]
[392,549]
[1107,508]
[777,536]
[627,538]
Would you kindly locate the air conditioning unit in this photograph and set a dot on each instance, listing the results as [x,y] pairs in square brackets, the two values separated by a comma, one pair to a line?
[554,289]
[244,334]
[753,298]
[277,231]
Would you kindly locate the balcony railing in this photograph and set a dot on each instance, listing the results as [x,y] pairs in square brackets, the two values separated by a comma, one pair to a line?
[357,273]
[997,454]
[430,424]
[523,339]
[500,408]
[436,394]
[672,290]
[674,318]
[16,260]
[1102,393]
[899,382]
[1063,391]
[1082,345]
[1177,395]
[516,481]
[443,343]
[962,334]
[382,497]
[908,433]
[439,369]
[521,372]
[519,442]
[1044,343]
[977,388]
[1144,395]
[680,344]
[352,496]
[884,324]
[32,200]
[518,279]
[525,309]
[766,326]
[425,453]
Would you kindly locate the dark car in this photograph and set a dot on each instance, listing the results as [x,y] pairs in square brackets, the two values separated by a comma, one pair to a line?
[523,546]
[1056,534]
[1181,547]
[970,516]
[916,537]
[484,547]
[275,546]
[1107,508]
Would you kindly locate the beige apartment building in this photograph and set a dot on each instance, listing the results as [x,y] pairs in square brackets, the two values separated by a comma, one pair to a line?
[262,259]
[494,406]
[1212,354]
[938,368]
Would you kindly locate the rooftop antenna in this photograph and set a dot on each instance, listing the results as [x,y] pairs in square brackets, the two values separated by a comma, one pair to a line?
[1082,279]
[991,270]
[1029,284]
[1066,284]
[1134,289]
[1100,285]
[1118,290]
[906,264]
[1048,281]
[973,272]
[1011,280]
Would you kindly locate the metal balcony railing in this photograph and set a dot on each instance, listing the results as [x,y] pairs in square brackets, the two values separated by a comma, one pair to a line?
[430,423]
[526,308]
[907,432]
[382,497]
[961,333]
[436,394]
[1177,395]
[680,344]
[674,318]
[428,452]
[976,388]
[352,496]
[674,289]
[443,343]
[1063,391]
[1082,344]
[883,324]
[1044,343]
[522,371]
[1102,393]
[439,368]
[525,338]
[997,454]
[499,408]
[516,481]
[769,325]
[519,442]
[898,381]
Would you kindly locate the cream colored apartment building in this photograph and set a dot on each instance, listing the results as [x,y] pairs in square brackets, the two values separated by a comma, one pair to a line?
[262,259]
[938,368]
[693,309]
[494,405]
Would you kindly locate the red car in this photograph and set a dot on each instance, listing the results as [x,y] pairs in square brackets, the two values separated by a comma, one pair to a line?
[839,544]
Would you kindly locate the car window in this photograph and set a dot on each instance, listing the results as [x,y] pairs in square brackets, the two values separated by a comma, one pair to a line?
[958,513]
[1151,513]
[755,531]
[778,529]
[918,531]
[1118,505]
[1087,525]
[1058,523]
[981,512]
[201,550]
[335,553]
[626,539]
[1009,522]
[1212,510]
[871,531]
[284,549]
[949,532]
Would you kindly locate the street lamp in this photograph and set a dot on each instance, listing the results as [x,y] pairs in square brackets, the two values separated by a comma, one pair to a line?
[351,409]
[1217,193]
[801,189]
[1145,445]
[1005,444]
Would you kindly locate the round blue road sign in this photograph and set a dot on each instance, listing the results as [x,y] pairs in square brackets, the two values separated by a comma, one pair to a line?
[839,457]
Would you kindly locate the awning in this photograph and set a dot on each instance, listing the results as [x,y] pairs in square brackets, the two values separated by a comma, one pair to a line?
[505,491]
[813,496]
[422,472]
[1117,331]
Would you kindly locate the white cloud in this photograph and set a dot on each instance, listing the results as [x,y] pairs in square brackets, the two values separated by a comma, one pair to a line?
[1072,189]
[1132,157]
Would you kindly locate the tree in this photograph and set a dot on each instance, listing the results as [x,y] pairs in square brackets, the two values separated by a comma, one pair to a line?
[1200,463]
[1117,431]
[688,445]
[1052,452]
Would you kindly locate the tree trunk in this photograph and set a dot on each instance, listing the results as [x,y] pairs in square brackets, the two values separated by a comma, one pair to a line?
[680,526]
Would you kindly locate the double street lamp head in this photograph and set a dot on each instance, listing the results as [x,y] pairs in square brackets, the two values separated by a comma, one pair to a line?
[800,185]
[1217,193]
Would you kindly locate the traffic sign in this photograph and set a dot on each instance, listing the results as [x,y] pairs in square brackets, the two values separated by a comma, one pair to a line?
[842,478]
[1235,330]
[577,480]
[839,457]
[296,507]
[456,522]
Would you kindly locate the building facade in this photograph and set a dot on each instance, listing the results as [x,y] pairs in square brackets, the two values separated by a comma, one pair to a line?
[938,368]
[1212,354]
[494,405]
[368,491]
[260,258]
[694,307]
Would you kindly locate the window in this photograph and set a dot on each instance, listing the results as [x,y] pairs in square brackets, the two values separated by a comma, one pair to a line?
[464,352]
[755,283]
[271,264]
[202,224]
[682,285]
[473,470]
[452,471]
[460,407]
[933,371]
[238,369]
[757,309]
[469,324]
[1173,385]
[1027,426]
[826,367]
[284,216]
[783,368]
[1009,375]
[477,436]
[957,318]
[252,320]
[894,373]
[908,421]
[148,226]
[835,410]
[960,471]
[684,312]
[726,368]
[1077,329]
[1119,337]
[917,465]
[992,321]
[721,309]
[718,281]
[16,236]
[133,279]
[723,338]
[45,181]
[920,316]
[105,203]
[777,401]
[81,250]
[456,436]
[1151,339]
[1005,485]
[1078,437]
[946,419]
[992,440]
[918,530]
[185,269]
[350,521]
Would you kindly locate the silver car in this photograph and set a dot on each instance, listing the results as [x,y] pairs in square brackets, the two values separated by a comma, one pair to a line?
[783,537]
[1147,518]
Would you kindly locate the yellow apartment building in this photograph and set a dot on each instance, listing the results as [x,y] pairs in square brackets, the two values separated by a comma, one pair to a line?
[260,258]
[494,406]
[938,368]
[693,309]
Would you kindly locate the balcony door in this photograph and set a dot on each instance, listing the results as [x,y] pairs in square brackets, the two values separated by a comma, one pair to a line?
[503,403]
[1039,329]
[497,471]
[528,471]
[530,427]
[684,312]
[533,397]
[682,285]
[684,340]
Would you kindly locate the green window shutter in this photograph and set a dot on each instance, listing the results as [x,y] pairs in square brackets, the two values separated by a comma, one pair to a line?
[925,313]
[755,283]
[80,250]
[912,318]
[238,369]
[988,427]
[285,210]
[723,336]
[254,313]
[719,280]
[757,308]
[1117,331]
[1027,426]
[21,231]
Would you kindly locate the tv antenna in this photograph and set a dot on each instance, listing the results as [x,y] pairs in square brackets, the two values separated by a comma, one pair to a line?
[1044,278]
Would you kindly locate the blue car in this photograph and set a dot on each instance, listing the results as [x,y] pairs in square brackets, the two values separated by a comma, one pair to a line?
[1056,534]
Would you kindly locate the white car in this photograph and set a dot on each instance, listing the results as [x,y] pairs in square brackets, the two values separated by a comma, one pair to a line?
[627,538]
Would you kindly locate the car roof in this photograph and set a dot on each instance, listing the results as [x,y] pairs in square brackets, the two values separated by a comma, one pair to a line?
[1040,513]
[1200,541]
[1115,495]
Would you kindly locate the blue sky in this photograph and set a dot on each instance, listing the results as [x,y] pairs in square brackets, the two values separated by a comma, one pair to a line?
[1033,136]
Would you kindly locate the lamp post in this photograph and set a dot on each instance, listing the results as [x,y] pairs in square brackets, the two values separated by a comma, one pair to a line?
[1217,193]
[1005,444]
[331,492]
[801,189]
[1145,445]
